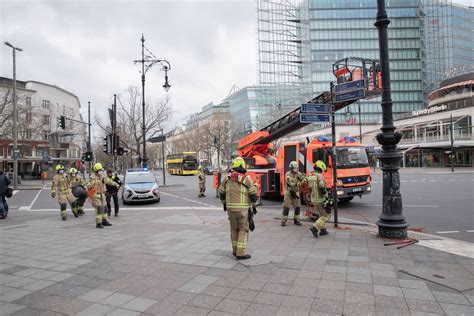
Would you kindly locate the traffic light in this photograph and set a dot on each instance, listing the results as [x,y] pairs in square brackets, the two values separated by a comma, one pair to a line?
[120,151]
[87,156]
[62,122]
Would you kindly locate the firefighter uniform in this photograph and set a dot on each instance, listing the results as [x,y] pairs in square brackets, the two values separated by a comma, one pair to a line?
[318,196]
[95,187]
[293,181]
[76,180]
[202,182]
[61,188]
[237,193]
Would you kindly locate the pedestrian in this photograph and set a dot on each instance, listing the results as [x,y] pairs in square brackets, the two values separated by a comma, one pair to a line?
[293,181]
[319,196]
[61,188]
[95,187]
[4,182]
[111,192]
[202,182]
[237,193]
[78,189]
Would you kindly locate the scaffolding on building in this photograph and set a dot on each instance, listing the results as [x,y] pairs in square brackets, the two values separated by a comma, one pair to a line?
[284,67]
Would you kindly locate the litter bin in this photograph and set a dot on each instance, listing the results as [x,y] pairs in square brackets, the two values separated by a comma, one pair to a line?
[44,175]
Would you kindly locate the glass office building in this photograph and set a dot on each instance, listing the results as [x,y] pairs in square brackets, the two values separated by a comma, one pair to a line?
[428,39]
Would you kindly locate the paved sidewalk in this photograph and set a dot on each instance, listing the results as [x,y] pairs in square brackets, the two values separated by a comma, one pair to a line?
[165,262]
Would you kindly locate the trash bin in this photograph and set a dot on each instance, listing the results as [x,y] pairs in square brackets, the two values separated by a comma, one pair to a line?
[44,175]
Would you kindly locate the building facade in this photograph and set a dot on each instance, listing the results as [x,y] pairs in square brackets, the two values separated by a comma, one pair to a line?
[40,139]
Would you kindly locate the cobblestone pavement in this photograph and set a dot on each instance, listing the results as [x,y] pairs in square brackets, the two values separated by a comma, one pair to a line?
[178,261]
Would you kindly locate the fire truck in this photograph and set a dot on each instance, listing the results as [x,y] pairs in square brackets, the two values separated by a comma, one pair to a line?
[352,166]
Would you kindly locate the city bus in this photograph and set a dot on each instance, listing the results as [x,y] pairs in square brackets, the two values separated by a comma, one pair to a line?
[182,164]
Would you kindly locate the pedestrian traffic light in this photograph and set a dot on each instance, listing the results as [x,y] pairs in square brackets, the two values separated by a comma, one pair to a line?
[120,151]
[87,156]
[62,122]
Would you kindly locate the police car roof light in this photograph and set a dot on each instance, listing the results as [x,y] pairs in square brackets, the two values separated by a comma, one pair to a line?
[324,139]
[348,139]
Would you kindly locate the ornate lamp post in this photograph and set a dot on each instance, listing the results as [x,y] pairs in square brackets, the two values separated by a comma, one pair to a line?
[391,223]
[147,62]
[15,118]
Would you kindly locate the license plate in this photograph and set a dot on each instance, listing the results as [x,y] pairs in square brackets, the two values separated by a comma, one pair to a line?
[142,196]
[356,189]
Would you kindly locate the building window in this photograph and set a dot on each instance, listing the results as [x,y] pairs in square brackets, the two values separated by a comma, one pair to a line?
[28,101]
[45,104]
[29,133]
[45,120]
[45,135]
[28,117]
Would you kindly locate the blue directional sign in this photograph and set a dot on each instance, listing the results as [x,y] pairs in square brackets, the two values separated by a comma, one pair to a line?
[315,108]
[349,86]
[314,118]
[349,96]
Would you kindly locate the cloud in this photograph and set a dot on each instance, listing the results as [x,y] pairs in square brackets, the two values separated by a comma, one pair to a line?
[88,47]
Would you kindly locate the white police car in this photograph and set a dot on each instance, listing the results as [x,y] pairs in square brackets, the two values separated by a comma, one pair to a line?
[140,185]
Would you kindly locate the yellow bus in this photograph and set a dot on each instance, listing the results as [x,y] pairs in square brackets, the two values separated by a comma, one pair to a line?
[182,164]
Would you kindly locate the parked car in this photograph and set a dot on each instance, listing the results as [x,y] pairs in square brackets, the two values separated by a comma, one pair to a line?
[209,170]
[140,186]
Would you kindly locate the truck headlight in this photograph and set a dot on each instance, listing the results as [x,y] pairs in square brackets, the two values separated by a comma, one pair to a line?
[368,189]
[340,192]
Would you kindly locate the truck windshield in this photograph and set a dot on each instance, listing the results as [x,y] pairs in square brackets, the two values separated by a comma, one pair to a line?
[351,157]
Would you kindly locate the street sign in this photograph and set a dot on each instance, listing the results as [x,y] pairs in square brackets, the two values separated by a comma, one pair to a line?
[349,86]
[315,108]
[349,96]
[314,118]
[157,139]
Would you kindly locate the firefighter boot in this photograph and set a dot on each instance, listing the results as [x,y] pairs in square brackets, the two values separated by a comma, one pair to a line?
[314,231]
[323,232]
[106,223]
[99,225]
[296,218]
[247,256]
[284,218]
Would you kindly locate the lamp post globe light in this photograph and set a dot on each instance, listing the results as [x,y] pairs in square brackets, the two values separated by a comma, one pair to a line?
[15,118]
[147,62]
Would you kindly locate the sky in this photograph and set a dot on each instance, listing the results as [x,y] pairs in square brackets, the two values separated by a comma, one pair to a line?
[88,47]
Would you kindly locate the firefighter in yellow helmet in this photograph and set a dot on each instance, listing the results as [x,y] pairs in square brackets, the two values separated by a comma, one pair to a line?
[293,181]
[202,182]
[96,189]
[237,193]
[78,189]
[319,198]
[61,188]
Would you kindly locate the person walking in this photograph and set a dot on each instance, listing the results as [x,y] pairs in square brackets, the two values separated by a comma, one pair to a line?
[111,192]
[4,183]
[78,189]
[293,180]
[202,182]
[61,188]
[237,194]
[95,187]
[319,196]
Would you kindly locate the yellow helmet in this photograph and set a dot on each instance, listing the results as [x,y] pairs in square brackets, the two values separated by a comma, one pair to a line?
[238,162]
[200,168]
[97,167]
[72,170]
[321,165]
[59,167]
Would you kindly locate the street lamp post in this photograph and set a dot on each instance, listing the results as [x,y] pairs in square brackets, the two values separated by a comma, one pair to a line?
[391,223]
[360,123]
[15,118]
[147,62]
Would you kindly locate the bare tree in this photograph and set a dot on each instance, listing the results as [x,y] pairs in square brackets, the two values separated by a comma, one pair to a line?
[221,141]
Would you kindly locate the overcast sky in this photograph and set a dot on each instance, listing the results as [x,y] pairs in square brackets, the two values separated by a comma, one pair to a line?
[87,47]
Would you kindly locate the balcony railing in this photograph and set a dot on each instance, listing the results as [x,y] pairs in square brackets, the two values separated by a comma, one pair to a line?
[437,138]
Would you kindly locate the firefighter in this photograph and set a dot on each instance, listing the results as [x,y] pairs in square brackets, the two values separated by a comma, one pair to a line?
[202,182]
[112,192]
[78,189]
[293,181]
[237,193]
[61,188]
[95,187]
[319,197]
